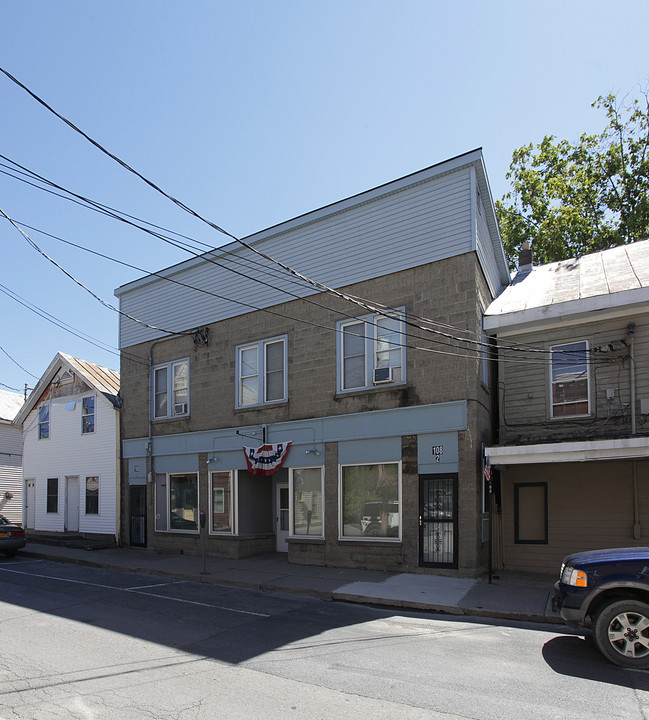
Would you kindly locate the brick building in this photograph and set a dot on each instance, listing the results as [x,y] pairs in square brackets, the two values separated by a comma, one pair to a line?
[379,406]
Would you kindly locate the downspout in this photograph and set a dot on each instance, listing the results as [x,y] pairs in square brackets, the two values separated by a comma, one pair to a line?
[149,446]
[630,331]
[637,527]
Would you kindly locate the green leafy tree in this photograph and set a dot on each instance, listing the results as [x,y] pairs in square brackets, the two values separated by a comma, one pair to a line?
[568,199]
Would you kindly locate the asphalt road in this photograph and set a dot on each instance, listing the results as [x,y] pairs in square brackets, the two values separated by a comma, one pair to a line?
[88,643]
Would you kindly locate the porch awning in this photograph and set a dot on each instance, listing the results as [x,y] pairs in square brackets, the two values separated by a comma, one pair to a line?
[565,452]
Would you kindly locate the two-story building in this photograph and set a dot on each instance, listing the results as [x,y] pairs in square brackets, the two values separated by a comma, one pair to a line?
[573,447]
[341,420]
[70,431]
[11,457]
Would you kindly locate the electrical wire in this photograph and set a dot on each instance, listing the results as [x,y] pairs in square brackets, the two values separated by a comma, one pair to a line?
[11,388]
[94,205]
[15,362]
[64,326]
[87,289]
[367,305]
[250,306]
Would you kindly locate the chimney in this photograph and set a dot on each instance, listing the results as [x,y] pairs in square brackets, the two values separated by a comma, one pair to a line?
[525,257]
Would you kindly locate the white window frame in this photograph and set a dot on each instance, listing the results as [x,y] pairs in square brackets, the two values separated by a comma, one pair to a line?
[233,503]
[85,415]
[172,410]
[260,348]
[48,407]
[341,507]
[561,348]
[291,491]
[370,335]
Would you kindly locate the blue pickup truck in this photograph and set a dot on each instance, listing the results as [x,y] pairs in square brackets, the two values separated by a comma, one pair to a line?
[608,591]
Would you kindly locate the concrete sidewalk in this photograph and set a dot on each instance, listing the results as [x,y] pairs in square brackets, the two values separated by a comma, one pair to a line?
[516,596]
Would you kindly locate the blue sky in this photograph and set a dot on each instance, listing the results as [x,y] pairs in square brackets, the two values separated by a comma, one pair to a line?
[255,111]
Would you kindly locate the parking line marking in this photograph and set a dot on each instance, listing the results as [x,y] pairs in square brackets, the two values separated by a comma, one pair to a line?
[137,592]
[142,587]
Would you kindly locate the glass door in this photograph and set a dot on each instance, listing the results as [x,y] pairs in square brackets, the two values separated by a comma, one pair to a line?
[282,521]
[438,521]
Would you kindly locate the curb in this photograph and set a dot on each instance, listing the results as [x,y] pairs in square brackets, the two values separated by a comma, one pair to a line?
[324,595]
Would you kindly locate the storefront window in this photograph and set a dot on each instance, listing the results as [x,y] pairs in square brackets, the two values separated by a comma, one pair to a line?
[221,502]
[183,502]
[370,501]
[306,487]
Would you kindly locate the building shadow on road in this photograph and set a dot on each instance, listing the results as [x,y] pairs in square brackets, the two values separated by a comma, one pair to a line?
[577,656]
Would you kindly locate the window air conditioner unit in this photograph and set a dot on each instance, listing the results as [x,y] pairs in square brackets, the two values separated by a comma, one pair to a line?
[382,375]
[180,409]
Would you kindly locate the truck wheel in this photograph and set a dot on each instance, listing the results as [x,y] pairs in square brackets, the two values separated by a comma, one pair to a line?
[621,633]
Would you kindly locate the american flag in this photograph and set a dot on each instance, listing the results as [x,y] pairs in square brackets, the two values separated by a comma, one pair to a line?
[487,470]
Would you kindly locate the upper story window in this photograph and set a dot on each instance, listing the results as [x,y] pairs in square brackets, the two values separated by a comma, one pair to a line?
[570,381]
[88,414]
[371,351]
[43,422]
[171,389]
[261,372]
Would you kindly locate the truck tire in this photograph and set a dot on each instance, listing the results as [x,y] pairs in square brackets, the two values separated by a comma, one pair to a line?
[621,633]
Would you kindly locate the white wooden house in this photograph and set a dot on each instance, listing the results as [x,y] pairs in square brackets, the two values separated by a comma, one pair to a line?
[11,449]
[70,426]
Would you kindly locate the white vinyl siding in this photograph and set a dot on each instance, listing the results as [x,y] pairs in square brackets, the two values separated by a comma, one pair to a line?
[372,235]
[11,474]
[68,453]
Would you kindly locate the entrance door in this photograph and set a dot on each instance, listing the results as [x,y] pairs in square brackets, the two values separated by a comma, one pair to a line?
[138,516]
[72,504]
[30,505]
[438,521]
[282,520]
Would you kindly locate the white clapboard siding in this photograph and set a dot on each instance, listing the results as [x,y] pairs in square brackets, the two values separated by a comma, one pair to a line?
[484,248]
[68,452]
[11,447]
[378,233]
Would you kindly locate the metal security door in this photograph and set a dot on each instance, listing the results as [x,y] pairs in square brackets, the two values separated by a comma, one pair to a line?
[438,521]
[138,516]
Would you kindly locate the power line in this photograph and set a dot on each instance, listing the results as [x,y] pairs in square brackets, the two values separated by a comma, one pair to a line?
[11,388]
[367,305]
[62,325]
[80,284]
[15,362]
[250,306]
[116,214]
